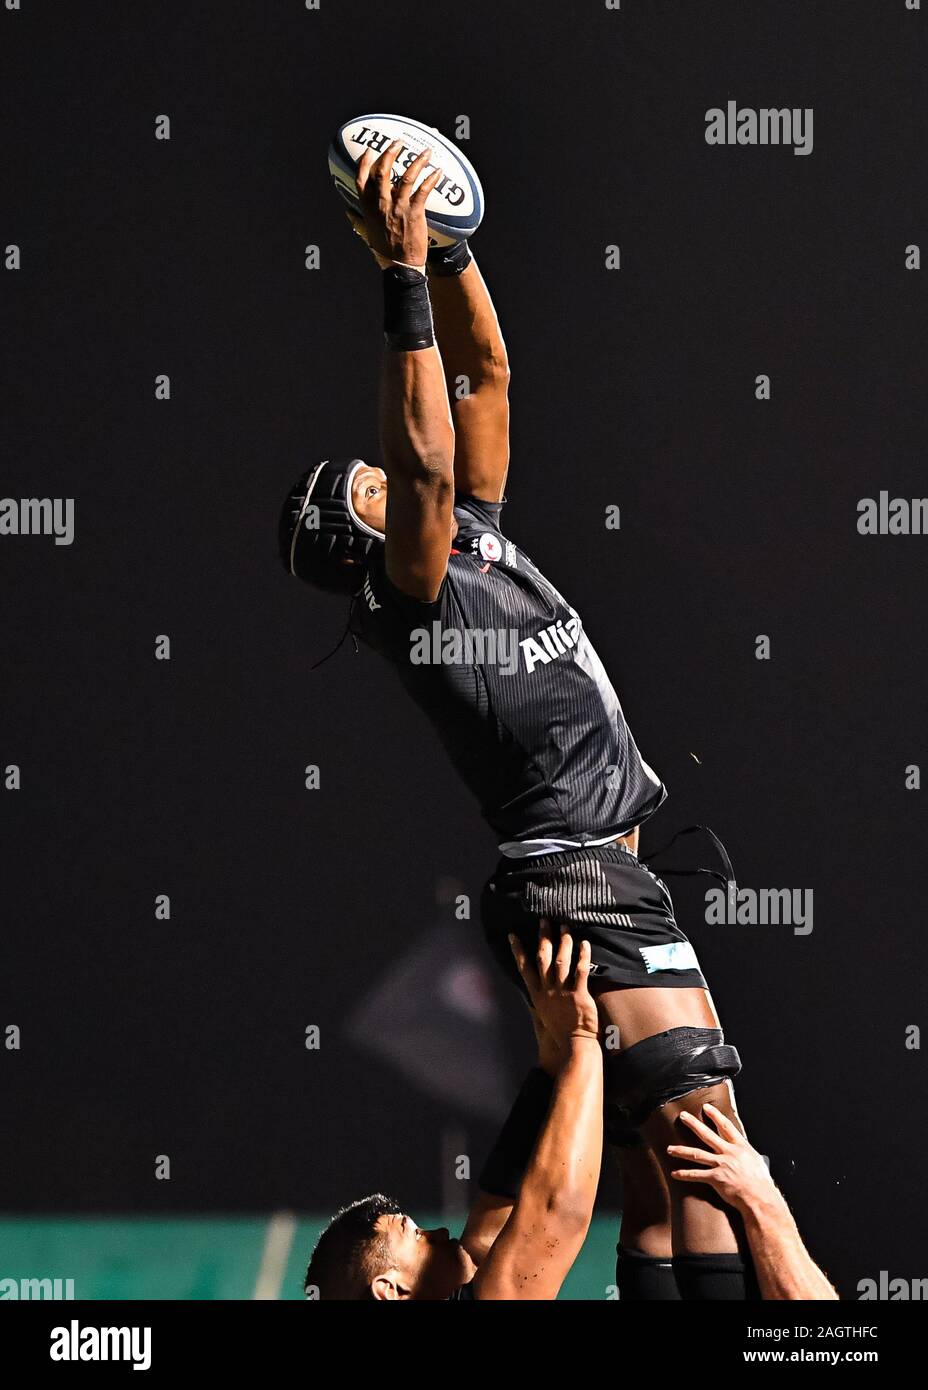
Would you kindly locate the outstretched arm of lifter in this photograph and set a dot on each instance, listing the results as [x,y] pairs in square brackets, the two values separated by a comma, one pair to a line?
[502,1174]
[551,1216]
[784,1267]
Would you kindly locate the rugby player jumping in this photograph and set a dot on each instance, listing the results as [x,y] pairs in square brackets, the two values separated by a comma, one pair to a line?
[416,540]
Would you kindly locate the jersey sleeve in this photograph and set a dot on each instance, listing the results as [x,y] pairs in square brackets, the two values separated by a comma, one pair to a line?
[485,513]
[385,618]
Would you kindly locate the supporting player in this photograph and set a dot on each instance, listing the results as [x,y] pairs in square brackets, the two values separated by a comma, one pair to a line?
[542,742]
[739,1175]
[515,1250]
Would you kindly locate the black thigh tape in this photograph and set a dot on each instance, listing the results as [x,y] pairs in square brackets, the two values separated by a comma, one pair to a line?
[665,1067]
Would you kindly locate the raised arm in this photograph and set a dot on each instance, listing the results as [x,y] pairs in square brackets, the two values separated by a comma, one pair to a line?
[416,433]
[502,1173]
[476,371]
[475,361]
[784,1267]
[551,1216]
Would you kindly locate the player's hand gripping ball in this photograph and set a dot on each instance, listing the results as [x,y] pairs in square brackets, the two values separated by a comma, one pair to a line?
[454,207]
[394,215]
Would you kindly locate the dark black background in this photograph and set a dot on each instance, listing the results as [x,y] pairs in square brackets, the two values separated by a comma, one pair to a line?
[633,387]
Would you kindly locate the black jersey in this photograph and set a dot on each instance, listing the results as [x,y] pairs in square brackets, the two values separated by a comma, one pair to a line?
[501,665]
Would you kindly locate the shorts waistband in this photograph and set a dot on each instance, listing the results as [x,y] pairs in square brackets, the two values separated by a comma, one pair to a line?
[549,863]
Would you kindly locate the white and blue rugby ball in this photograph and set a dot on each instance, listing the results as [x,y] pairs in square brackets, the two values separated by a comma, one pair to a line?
[454,209]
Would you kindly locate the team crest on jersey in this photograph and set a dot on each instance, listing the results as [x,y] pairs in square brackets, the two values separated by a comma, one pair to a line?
[490,546]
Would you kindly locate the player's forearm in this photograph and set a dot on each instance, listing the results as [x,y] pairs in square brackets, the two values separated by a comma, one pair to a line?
[785,1269]
[416,434]
[477,375]
[468,330]
[563,1172]
[487,1217]
[501,1175]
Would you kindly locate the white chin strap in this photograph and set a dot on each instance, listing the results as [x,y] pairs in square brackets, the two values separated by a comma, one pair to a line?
[361,525]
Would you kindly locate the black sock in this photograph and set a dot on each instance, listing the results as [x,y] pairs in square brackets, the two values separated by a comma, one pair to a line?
[715,1277]
[639,1277]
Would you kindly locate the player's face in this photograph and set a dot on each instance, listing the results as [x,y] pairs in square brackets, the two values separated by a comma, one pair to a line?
[369,499]
[428,1264]
[369,496]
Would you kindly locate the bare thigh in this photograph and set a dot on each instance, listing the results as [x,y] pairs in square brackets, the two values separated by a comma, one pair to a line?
[646,1210]
[701,1223]
[639,1013]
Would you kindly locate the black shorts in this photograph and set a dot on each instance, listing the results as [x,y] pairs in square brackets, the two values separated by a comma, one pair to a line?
[606,897]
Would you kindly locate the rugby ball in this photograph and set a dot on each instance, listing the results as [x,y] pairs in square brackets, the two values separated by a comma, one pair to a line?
[454,209]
